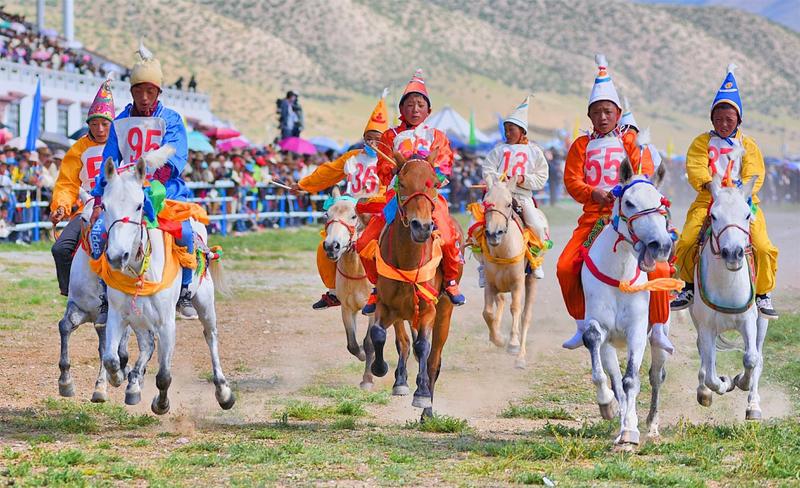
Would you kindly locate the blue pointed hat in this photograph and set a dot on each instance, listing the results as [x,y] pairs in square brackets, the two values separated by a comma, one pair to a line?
[729,92]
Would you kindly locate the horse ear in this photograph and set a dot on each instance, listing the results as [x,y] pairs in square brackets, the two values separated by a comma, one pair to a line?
[715,186]
[336,192]
[747,188]
[399,159]
[109,169]
[491,180]
[658,177]
[511,183]
[434,154]
[141,170]
[625,170]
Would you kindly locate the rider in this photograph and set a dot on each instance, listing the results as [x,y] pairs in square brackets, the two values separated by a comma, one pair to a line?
[589,177]
[359,168]
[628,123]
[78,169]
[524,161]
[703,160]
[143,126]
[415,106]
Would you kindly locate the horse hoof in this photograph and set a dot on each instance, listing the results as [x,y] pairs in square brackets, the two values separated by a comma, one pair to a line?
[401,390]
[654,435]
[630,437]
[520,364]
[422,401]
[427,413]
[497,340]
[116,379]
[380,369]
[357,352]
[159,409]
[99,396]
[726,380]
[704,398]
[227,404]
[131,397]
[66,390]
[752,414]
[366,385]
[513,350]
[737,381]
[608,411]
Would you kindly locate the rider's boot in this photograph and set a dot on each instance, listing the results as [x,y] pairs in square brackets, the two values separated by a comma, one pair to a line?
[658,338]
[372,302]
[329,299]
[184,306]
[576,340]
[454,293]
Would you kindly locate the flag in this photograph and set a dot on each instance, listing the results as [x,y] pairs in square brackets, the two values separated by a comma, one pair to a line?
[33,128]
[670,149]
[473,140]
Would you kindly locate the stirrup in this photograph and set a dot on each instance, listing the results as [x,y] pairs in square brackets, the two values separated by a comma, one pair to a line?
[372,303]
[456,297]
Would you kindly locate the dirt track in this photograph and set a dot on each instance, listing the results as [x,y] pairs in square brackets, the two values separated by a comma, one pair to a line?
[273,346]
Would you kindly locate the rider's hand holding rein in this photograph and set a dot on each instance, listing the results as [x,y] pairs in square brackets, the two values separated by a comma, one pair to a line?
[96,211]
[602,197]
[58,215]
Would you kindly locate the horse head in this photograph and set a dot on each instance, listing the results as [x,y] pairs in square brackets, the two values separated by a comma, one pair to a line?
[123,206]
[498,209]
[416,193]
[341,227]
[644,212]
[731,215]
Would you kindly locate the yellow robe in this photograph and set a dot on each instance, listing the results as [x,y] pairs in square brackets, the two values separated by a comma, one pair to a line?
[68,184]
[698,174]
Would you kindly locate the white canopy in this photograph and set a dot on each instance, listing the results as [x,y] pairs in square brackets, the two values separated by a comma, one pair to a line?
[455,126]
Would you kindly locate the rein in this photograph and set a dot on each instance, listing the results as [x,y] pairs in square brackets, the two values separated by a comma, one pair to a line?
[144,252]
[632,238]
[490,207]
[353,231]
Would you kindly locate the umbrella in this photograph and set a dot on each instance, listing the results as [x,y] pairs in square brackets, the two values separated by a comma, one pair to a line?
[5,135]
[199,142]
[324,144]
[49,32]
[297,146]
[222,133]
[41,55]
[232,143]
[79,133]
[55,139]
[17,27]
[19,143]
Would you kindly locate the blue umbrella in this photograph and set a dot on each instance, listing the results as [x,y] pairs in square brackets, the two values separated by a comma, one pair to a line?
[324,144]
[197,141]
[79,133]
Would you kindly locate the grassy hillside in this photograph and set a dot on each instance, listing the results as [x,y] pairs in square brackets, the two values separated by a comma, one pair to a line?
[478,55]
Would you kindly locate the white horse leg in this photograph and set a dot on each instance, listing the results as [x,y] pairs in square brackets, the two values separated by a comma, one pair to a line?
[146,341]
[527,312]
[204,304]
[749,332]
[753,399]
[166,347]
[517,296]
[369,357]
[114,332]
[718,384]
[349,318]
[100,394]
[631,384]
[594,337]
[73,317]
[658,373]
[610,363]
[493,309]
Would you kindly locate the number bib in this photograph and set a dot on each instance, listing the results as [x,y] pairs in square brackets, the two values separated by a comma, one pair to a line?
[603,157]
[718,161]
[91,158]
[415,141]
[517,160]
[138,135]
[362,176]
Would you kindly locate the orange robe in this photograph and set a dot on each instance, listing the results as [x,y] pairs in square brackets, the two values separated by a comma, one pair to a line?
[570,262]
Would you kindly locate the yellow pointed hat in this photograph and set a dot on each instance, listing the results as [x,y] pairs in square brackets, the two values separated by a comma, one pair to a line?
[379,120]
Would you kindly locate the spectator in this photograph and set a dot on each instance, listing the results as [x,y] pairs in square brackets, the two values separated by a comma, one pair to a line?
[290,121]
[192,83]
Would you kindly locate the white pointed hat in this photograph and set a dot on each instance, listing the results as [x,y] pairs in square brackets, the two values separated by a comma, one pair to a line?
[519,116]
[627,116]
[603,88]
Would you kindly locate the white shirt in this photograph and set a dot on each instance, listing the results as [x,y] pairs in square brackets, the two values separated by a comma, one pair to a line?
[514,160]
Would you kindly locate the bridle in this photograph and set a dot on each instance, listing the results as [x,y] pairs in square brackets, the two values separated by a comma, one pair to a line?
[404,200]
[145,248]
[351,229]
[632,238]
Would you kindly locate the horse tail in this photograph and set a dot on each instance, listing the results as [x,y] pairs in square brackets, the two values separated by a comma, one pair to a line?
[727,345]
[219,278]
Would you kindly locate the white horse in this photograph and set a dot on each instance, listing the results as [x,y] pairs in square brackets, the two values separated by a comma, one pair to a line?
[504,267]
[130,244]
[342,228]
[83,304]
[625,250]
[724,286]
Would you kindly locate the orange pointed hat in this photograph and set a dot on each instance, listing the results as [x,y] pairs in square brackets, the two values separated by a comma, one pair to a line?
[416,85]
[379,120]
[103,104]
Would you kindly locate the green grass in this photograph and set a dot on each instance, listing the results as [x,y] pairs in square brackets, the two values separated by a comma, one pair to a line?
[531,412]
[441,424]
[261,244]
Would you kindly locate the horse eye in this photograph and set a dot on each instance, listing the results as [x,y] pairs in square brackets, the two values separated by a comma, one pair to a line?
[713,217]
[749,216]
[629,204]
[354,217]
[139,207]
[508,206]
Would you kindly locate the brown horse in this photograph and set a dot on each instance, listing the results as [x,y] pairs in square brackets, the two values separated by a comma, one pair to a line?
[406,246]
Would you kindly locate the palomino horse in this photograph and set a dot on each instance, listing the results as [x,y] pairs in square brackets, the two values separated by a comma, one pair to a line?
[342,229]
[504,263]
[408,246]
[637,237]
[130,246]
[724,293]
[83,305]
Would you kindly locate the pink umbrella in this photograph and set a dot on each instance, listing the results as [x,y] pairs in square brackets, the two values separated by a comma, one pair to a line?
[297,146]
[41,55]
[222,133]
[232,143]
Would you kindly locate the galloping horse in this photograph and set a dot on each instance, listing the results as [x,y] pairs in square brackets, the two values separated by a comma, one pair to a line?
[83,304]
[141,253]
[617,299]
[723,281]
[342,229]
[410,281]
[504,262]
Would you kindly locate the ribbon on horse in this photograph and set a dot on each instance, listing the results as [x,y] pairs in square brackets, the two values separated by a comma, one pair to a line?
[417,276]
[658,284]
[534,248]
